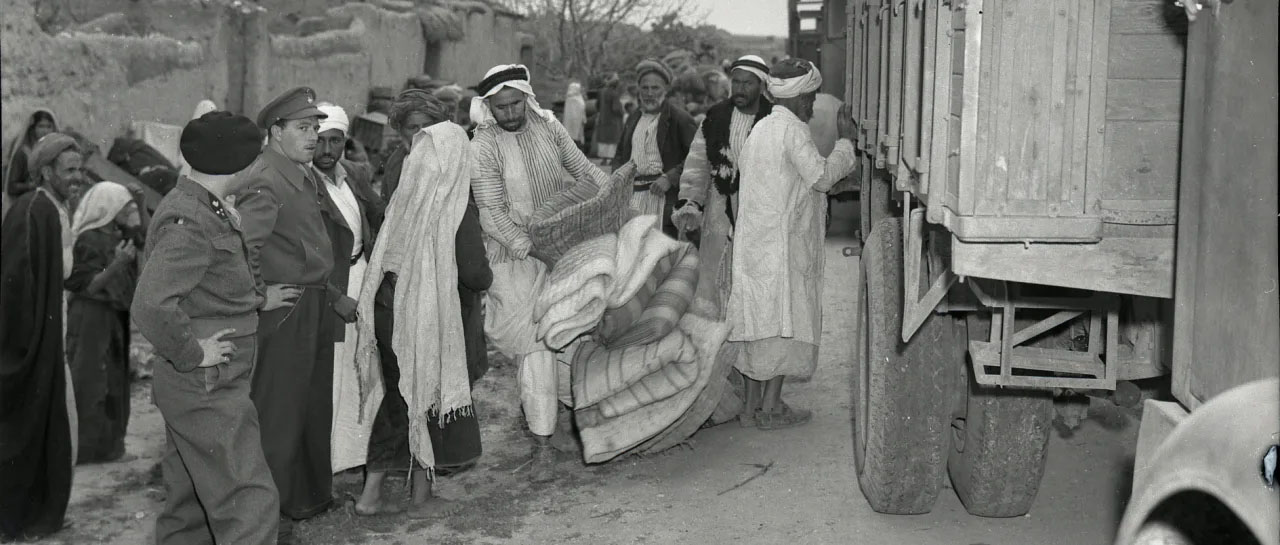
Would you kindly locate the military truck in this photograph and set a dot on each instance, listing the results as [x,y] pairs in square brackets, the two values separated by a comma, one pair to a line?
[1028,172]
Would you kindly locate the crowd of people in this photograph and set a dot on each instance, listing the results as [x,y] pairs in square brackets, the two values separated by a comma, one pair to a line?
[320,305]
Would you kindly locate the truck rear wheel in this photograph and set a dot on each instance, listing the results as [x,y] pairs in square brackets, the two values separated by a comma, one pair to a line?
[998,446]
[874,202]
[902,391]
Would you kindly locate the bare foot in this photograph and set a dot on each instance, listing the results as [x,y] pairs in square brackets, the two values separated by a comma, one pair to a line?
[380,508]
[434,507]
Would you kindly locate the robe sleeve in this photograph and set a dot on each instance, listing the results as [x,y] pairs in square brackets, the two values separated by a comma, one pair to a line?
[92,255]
[473,265]
[573,159]
[179,256]
[696,178]
[491,197]
[259,208]
[818,173]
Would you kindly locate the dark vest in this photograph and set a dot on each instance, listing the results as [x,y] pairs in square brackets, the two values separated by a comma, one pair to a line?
[715,131]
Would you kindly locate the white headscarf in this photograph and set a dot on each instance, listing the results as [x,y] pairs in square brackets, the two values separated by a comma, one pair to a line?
[808,82]
[337,118]
[482,116]
[99,206]
[742,64]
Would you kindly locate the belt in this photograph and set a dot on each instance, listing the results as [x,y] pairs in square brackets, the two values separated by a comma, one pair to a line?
[242,325]
[643,183]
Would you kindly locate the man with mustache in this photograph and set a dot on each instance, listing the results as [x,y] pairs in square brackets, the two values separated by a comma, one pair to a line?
[658,140]
[709,184]
[290,254]
[775,298]
[521,158]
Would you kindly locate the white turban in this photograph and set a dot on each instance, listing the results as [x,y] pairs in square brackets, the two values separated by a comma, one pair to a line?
[514,76]
[790,87]
[337,118]
[754,65]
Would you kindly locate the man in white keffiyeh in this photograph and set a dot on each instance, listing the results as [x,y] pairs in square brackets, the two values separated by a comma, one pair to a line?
[522,158]
[775,307]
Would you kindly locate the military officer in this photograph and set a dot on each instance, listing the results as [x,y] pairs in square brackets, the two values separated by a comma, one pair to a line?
[284,208]
[196,302]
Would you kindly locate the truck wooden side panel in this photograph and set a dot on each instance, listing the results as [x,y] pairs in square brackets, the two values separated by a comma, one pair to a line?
[1227,311]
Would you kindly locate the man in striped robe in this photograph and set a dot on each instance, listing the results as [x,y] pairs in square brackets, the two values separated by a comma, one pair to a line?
[522,157]
[709,183]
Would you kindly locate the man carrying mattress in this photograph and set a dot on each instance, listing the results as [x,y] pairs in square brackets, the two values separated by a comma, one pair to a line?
[522,157]
[775,304]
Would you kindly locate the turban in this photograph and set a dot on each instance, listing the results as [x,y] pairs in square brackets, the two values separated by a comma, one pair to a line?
[650,66]
[205,106]
[412,101]
[337,118]
[49,148]
[503,76]
[99,206]
[794,77]
[753,65]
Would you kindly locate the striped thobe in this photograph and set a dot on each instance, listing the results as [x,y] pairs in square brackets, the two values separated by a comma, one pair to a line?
[648,163]
[512,175]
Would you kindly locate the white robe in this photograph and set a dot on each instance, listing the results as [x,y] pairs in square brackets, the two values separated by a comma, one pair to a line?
[777,254]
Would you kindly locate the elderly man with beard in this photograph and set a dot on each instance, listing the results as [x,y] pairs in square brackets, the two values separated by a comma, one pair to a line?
[775,304]
[37,417]
[709,184]
[657,140]
[521,158]
[285,210]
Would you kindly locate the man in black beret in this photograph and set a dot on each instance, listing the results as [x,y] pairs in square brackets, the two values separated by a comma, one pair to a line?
[286,209]
[198,305]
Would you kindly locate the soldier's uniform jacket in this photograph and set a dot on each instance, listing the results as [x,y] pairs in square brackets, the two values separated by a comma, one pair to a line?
[196,279]
[282,209]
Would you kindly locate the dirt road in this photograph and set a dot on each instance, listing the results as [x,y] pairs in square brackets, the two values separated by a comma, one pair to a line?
[804,490]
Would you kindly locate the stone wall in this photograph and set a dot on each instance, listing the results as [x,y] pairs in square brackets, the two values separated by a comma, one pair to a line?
[98,83]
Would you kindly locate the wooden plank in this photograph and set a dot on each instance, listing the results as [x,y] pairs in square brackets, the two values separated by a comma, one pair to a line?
[992,49]
[1147,17]
[1055,171]
[912,66]
[1144,100]
[1097,153]
[929,60]
[1147,56]
[941,183]
[1136,266]
[1142,160]
[896,22]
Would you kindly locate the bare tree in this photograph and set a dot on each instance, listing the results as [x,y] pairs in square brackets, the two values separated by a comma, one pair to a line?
[585,35]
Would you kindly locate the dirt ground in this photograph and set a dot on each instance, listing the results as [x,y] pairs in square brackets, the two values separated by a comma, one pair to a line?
[799,488]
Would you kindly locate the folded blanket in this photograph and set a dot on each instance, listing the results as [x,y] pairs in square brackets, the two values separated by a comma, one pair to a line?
[583,262]
[594,206]
[606,438]
[617,321]
[679,274]
[636,258]
[669,380]
[600,373]
[574,315]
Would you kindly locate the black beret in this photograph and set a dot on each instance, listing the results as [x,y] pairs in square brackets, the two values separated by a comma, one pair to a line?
[220,143]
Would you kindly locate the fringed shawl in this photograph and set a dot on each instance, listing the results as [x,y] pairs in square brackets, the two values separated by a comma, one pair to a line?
[417,244]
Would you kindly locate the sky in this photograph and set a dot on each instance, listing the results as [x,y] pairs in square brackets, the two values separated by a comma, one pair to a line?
[752,17]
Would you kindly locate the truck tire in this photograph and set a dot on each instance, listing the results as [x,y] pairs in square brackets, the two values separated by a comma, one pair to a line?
[873,198]
[998,447]
[902,391]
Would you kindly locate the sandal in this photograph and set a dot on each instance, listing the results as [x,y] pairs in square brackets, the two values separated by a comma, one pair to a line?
[782,417]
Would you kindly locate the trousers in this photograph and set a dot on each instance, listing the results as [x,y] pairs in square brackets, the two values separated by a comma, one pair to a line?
[218,487]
